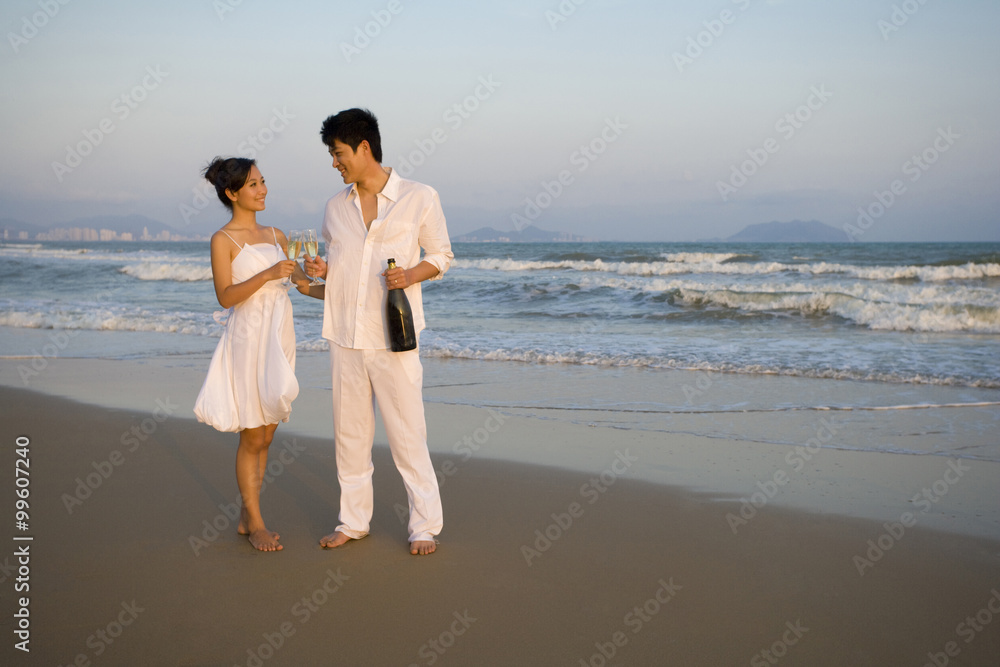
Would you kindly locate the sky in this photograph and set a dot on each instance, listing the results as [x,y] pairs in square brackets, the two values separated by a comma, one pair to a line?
[614,120]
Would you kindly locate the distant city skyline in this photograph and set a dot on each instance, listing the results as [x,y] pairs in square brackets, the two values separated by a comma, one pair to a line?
[91,234]
[598,118]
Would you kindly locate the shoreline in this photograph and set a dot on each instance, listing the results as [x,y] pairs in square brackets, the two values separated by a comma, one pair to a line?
[577,566]
[724,456]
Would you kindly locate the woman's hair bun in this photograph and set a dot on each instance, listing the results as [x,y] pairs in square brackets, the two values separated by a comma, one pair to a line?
[229,173]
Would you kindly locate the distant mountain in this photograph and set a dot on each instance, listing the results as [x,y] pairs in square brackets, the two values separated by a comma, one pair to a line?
[530,234]
[796,231]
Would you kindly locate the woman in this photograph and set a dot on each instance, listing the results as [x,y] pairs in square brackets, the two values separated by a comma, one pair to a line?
[251,379]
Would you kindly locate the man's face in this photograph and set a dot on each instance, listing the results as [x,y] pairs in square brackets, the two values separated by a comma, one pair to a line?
[346,160]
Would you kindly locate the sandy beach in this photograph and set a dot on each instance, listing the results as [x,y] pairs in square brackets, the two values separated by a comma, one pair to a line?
[706,298]
[135,560]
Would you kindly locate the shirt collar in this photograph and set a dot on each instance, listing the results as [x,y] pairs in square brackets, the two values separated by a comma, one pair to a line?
[391,188]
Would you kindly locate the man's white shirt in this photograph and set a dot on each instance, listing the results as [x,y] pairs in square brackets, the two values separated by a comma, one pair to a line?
[409,218]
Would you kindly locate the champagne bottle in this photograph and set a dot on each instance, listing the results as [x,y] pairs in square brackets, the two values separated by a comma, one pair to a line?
[399,318]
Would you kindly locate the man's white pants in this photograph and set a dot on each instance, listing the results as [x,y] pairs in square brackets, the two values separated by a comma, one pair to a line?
[395,381]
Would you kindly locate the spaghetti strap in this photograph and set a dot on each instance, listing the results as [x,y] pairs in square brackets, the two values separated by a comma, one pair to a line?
[231,239]
[275,235]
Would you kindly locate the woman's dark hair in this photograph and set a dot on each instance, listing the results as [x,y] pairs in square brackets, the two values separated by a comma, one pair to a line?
[352,127]
[228,174]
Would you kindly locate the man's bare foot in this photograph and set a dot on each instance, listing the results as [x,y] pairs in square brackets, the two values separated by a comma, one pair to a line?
[334,540]
[422,547]
[265,540]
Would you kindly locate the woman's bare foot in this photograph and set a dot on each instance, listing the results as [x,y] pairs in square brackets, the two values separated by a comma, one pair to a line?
[241,527]
[422,547]
[334,540]
[265,540]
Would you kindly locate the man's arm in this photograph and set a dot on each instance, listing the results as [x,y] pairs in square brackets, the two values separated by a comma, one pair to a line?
[314,267]
[433,238]
[399,278]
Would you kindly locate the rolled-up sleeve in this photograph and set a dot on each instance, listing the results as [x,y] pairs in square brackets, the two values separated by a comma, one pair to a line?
[433,237]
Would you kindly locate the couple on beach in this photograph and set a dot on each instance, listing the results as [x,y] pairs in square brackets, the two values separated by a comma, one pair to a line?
[251,381]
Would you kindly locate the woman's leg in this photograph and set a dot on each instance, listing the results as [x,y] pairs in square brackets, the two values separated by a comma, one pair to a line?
[269,430]
[251,463]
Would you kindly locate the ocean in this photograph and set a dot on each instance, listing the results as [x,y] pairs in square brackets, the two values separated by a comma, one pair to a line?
[895,325]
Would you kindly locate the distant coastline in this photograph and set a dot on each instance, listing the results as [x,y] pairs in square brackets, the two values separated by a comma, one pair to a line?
[142,228]
[796,231]
[102,228]
[91,234]
[530,234]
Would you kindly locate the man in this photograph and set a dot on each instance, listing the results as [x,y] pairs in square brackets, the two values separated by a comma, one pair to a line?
[377,217]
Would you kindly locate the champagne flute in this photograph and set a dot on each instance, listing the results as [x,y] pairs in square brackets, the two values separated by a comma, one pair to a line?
[311,244]
[292,251]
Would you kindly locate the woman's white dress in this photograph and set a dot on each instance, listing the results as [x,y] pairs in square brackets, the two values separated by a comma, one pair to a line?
[251,378]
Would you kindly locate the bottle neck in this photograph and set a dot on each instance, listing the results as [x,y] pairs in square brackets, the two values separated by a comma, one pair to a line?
[391,264]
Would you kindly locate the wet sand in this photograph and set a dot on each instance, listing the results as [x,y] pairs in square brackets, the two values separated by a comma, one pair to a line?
[135,560]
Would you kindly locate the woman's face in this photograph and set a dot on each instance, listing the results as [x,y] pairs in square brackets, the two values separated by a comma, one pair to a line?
[251,195]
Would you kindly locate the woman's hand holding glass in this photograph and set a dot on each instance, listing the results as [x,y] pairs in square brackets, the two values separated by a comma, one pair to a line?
[292,246]
[282,271]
